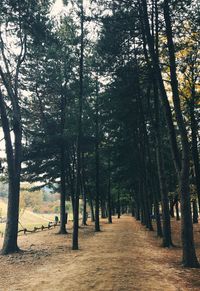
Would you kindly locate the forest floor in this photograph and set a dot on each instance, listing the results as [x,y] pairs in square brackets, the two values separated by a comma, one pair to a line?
[124,256]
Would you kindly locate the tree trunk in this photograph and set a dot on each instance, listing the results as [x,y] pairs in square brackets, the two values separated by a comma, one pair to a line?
[158,220]
[171,203]
[138,216]
[141,203]
[149,219]
[11,231]
[75,225]
[91,208]
[103,208]
[156,196]
[189,254]
[133,212]
[63,192]
[195,152]
[14,170]
[84,215]
[167,240]
[97,225]
[79,139]
[84,191]
[118,205]
[109,193]
[195,211]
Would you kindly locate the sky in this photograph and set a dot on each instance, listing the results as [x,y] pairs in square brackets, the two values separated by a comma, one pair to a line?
[57,8]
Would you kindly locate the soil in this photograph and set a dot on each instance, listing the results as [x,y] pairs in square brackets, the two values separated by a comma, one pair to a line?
[124,256]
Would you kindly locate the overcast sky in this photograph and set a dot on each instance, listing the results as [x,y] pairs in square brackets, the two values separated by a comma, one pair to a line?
[57,7]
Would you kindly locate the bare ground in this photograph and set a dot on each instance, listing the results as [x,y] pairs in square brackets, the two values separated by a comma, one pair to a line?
[122,257]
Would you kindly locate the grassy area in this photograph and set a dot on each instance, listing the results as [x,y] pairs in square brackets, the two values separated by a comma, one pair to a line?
[30,220]
[3,207]
[27,218]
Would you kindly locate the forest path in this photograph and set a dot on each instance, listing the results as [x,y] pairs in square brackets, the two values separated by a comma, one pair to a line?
[120,258]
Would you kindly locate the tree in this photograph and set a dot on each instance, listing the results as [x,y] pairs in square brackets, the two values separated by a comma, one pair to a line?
[79,133]
[97,226]
[50,151]
[19,23]
[189,255]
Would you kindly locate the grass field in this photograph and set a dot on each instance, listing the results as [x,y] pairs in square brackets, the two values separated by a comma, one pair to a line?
[27,218]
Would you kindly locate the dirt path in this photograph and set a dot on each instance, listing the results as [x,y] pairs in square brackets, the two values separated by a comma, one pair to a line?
[120,258]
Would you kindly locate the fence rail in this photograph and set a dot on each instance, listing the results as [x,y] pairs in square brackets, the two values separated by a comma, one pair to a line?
[50,225]
[35,229]
[24,230]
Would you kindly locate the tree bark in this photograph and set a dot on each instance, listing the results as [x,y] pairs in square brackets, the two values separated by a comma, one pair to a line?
[109,193]
[118,205]
[79,138]
[103,207]
[63,192]
[194,132]
[195,211]
[158,220]
[14,170]
[84,191]
[97,225]
[62,170]
[84,215]
[91,208]
[167,239]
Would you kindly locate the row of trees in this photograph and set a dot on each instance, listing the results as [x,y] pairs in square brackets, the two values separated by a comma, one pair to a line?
[109,116]
[163,58]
